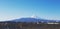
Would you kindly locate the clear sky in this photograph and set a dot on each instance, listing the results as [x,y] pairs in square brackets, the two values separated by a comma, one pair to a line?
[47,9]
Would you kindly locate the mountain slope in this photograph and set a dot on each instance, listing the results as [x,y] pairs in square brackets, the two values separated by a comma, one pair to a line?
[32,20]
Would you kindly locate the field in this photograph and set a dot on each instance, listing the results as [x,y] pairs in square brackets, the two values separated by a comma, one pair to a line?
[24,25]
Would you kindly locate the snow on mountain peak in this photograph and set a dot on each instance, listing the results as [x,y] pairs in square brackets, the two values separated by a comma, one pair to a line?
[34,16]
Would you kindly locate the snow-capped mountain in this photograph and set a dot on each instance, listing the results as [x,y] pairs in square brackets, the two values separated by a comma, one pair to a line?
[32,19]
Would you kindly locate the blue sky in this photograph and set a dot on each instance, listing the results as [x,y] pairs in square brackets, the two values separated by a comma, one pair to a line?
[47,9]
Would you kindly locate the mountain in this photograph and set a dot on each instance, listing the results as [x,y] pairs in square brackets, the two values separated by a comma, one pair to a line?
[32,20]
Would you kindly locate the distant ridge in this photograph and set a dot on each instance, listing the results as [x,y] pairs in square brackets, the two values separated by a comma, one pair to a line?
[31,19]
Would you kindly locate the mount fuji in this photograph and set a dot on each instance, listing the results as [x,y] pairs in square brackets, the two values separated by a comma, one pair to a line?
[32,19]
